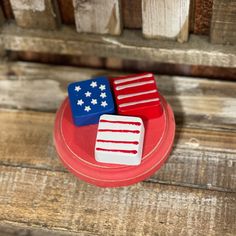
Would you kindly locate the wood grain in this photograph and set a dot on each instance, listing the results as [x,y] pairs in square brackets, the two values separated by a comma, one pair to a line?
[58,201]
[22,229]
[202,16]
[200,158]
[98,16]
[166,19]
[36,14]
[132,14]
[131,45]
[223,24]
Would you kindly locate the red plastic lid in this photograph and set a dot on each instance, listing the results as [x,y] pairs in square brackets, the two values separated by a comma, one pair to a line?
[75,146]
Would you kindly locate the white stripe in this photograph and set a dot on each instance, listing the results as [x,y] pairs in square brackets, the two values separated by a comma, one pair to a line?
[134,85]
[139,102]
[103,125]
[118,136]
[135,94]
[121,146]
[132,79]
[120,118]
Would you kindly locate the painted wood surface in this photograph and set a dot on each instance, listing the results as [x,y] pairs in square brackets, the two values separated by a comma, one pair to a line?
[131,45]
[132,14]
[198,148]
[98,16]
[37,14]
[166,19]
[223,24]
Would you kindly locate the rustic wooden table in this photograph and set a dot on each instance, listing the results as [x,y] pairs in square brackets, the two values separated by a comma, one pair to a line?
[194,193]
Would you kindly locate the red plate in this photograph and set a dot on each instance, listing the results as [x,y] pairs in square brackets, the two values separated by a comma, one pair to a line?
[75,146]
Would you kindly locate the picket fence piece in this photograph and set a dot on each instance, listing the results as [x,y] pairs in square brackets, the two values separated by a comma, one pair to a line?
[98,16]
[166,19]
[37,14]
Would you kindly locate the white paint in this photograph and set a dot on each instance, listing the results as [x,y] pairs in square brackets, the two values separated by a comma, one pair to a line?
[229,108]
[119,157]
[193,143]
[26,5]
[164,18]
[100,17]
[134,85]
[135,94]
[132,79]
[139,102]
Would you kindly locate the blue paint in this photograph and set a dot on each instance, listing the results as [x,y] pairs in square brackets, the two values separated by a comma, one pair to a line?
[90,99]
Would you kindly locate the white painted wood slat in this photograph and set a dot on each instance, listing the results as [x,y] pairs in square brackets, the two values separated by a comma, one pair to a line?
[98,16]
[37,14]
[166,19]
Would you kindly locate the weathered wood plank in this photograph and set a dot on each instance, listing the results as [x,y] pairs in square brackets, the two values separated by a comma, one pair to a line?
[58,201]
[202,16]
[21,228]
[131,45]
[166,19]
[67,11]
[214,101]
[223,24]
[98,16]
[37,14]
[132,14]
[199,159]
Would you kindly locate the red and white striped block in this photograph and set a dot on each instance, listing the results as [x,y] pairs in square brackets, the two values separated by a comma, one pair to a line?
[119,140]
[137,95]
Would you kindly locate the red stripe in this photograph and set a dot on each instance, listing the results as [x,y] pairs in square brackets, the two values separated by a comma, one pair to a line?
[123,142]
[121,122]
[119,131]
[116,150]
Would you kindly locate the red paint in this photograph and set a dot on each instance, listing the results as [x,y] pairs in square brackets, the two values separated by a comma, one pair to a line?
[146,111]
[75,148]
[121,122]
[122,142]
[119,131]
[117,150]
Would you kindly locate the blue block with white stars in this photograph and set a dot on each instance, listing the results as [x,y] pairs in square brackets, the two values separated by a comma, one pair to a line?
[90,99]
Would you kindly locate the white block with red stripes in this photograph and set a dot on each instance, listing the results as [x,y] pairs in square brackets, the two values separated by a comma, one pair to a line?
[119,140]
[137,95]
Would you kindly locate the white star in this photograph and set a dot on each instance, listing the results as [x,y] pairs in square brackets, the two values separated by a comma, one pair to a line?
[80,102]
[94,101]
[77,88]
[88,94]
[102,87]
[103,95]
[104,104]
[87,108]
[93,84]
